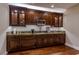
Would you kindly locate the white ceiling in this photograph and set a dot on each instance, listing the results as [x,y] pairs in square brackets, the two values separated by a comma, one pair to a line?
[56,5]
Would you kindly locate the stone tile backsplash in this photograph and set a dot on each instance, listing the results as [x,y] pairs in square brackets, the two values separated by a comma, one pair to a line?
[35,27]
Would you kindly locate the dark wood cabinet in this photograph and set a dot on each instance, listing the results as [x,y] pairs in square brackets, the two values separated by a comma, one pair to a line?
[24,42]
[13,43]
[13,16]
[39,41]
[32,16]
[20,16]
[27,42]
[45,40]
[17,16]
[47,16]
[51,40]
[59,39]
[58,20]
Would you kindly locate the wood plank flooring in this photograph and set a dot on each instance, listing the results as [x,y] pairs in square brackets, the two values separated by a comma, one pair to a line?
[54,50]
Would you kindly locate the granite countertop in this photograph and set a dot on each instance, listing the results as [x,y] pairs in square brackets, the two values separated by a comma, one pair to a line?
[35,33]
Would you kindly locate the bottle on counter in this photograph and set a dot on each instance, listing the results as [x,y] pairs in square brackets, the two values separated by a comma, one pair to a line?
[32,30]
[14,31]
[47,29]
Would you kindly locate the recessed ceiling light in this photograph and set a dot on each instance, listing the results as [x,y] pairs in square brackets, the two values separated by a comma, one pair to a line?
[52,6]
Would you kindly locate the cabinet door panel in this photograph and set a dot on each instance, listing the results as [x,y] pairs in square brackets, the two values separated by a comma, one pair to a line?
[17,16]
[32,16]
[45,42]
[39,42]
[50,38]
[61,38]
[47,17]
[56,22]
[56,39]
[14,17]
[61,20]
[27,42]
[22,17]
[13,43]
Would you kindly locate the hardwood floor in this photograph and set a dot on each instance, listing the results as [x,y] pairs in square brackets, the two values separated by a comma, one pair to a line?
[54,50]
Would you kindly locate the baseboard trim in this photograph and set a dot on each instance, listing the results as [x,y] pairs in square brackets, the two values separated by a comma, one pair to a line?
[72,46]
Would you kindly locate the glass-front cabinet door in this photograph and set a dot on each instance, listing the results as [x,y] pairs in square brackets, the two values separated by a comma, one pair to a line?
[21,17]
[17,16]
[56,24]
[58,20]
[13,17]
[61,20]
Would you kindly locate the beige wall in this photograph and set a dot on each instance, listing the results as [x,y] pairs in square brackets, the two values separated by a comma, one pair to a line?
[71,25]
[4,23]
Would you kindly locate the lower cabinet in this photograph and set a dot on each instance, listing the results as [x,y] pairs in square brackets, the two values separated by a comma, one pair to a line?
[51,40]
[59,39]
[25,42]
[13,43]
[44,42]
[41,41]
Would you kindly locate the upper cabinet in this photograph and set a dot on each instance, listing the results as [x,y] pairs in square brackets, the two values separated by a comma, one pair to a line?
[32,16]
[17,16]
[48,18]
[20,16]
[13,15]
[58,19]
